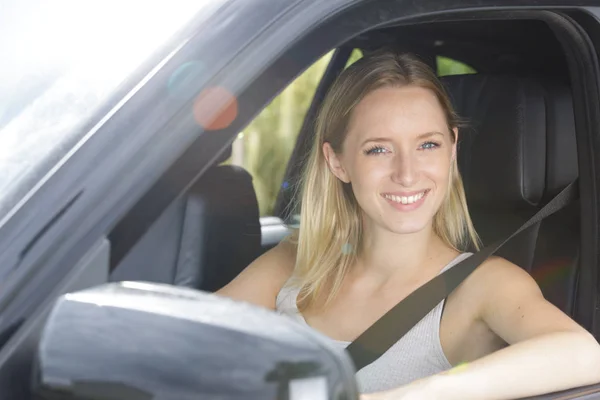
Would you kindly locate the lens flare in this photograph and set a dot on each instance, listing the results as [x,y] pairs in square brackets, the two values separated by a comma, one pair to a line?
[215,108]
[347,248]
[459,368]
[552,272]
[184,82]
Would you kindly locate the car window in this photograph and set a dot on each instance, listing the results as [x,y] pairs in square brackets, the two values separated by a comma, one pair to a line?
[448,66]
[57,71]
[354,57]
[265,145]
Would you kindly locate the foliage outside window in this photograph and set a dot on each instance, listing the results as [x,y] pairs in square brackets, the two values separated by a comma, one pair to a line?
[447,66]
[354,57]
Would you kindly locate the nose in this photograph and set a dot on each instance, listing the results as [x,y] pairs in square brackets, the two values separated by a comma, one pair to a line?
[405,170]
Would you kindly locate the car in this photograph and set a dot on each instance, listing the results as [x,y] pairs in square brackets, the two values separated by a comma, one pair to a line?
[119,216]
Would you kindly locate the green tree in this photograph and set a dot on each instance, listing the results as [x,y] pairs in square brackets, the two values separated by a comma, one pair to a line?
[270,138]
[447,66]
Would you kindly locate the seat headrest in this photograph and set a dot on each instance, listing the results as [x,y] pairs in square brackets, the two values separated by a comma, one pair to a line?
[561,144]
[516,128]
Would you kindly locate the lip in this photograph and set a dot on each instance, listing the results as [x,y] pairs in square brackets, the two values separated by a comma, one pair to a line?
[406,207]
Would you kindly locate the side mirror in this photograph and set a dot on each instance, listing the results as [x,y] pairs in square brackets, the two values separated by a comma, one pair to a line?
[138,341]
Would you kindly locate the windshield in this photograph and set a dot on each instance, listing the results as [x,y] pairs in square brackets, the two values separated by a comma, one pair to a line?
[61,61]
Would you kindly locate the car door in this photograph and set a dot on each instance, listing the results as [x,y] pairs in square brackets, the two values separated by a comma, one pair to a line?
[153,135]
[54,226]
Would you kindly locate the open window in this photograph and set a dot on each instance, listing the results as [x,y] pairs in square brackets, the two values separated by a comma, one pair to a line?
[265,145]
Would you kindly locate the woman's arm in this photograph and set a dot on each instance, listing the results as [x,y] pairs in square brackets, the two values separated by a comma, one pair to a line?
[547,350]
[261,281]
[543,364]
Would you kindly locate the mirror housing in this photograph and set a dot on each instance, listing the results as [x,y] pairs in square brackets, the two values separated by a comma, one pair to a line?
[139,341]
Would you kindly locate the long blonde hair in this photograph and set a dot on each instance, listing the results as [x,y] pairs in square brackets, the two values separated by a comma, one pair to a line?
[330,232]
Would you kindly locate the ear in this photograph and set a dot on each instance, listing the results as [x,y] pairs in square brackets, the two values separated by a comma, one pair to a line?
[334,163]
[454,145]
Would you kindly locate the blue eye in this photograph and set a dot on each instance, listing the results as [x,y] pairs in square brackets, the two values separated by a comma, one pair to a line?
[375,150]
[430,145]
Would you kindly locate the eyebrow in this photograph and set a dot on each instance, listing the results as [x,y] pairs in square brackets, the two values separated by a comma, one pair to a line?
[429,134]
[387,139]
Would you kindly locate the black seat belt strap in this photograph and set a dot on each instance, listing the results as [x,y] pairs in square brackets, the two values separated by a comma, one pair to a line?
[393,325]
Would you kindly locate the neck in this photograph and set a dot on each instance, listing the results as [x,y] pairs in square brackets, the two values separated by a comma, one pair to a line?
[386,254]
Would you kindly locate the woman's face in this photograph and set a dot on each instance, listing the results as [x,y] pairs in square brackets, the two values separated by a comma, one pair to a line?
[397,156]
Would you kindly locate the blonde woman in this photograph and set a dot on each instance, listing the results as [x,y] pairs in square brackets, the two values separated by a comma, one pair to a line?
[383,211]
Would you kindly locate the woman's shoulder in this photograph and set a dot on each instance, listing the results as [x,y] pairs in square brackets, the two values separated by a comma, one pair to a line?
[261,281]
[495,279]
[498,268]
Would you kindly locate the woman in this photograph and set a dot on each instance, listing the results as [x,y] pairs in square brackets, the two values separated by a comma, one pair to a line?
[383,211]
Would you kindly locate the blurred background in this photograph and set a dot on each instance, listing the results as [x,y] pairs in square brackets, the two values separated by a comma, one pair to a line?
[265,146]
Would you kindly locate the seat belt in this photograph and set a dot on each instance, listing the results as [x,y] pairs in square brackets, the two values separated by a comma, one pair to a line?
[394,324]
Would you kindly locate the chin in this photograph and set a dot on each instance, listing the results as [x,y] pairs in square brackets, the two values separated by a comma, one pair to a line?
[408,227]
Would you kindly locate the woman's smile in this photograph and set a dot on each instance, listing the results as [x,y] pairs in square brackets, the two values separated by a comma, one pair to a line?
[406,201]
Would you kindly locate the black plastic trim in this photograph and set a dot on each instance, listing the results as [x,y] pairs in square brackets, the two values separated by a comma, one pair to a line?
[583,66]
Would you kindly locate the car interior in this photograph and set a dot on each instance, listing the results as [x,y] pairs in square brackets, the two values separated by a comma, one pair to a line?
[517,151]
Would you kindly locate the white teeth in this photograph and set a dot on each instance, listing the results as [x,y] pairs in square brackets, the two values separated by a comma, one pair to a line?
[405,199]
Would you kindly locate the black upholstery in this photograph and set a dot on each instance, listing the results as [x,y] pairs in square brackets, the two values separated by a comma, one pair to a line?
[224,208]
[204,239]
[556,254]
[517,152]
[503,158]
[561,145]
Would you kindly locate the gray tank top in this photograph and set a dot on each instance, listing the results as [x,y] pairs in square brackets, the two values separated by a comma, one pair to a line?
[417,355]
